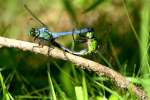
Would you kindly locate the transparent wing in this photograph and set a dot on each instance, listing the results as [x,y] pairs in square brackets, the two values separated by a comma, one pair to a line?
[33,15]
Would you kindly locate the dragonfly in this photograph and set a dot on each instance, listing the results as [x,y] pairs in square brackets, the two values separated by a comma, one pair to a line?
[46,37]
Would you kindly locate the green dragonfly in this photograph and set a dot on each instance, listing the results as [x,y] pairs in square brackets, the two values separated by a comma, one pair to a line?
[46,37]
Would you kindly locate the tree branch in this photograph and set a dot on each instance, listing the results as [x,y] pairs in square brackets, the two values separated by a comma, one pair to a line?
[82,63]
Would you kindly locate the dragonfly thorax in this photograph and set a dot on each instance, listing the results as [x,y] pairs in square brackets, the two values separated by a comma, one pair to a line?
[42,29]
[41,33]
[35,32]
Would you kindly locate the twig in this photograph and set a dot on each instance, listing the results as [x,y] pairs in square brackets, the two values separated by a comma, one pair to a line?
[82,63]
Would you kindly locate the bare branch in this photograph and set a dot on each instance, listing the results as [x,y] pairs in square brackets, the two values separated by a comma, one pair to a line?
[82,63]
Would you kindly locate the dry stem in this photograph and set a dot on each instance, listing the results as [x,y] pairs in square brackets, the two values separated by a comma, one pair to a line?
[82,63]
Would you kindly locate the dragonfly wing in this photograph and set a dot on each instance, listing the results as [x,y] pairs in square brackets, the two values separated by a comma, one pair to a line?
[82,52]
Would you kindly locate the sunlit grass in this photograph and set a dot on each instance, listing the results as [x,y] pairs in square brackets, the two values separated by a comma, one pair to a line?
[144,45]
[6,94]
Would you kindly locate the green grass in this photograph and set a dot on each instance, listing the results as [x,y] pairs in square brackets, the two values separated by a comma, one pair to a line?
[52,94]
[6,94]
[144,45]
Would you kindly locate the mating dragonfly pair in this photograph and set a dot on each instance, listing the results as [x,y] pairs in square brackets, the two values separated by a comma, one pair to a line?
[45,37]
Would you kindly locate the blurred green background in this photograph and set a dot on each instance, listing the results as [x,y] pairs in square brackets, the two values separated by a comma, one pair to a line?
[122,28]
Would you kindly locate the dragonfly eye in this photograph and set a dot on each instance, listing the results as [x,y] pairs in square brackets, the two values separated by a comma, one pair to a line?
[45,29]
[90,35]
[90,29]
[33,32]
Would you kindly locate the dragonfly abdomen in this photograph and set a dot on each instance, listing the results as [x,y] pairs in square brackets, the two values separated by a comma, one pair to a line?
[80,31]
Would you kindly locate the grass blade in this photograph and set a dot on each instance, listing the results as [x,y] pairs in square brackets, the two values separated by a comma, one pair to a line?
[51,86]
[85,93]
[6,95]
[79,93]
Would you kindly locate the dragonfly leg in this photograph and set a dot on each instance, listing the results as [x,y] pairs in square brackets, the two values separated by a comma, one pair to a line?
[73,34]
[39,44]
[79,40]
[34,39]
[49,49]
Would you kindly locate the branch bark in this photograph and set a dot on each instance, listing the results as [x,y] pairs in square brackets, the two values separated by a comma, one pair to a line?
[81,62]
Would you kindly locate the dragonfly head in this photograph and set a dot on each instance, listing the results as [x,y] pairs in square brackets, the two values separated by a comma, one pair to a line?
[90,35]
[34,32]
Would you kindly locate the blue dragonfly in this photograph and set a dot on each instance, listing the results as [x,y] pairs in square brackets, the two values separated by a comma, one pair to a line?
[46,37]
